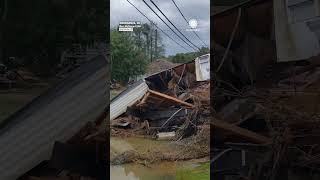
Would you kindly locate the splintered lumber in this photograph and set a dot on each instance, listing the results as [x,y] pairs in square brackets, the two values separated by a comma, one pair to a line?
[143,99]
[170,98]
[241,132]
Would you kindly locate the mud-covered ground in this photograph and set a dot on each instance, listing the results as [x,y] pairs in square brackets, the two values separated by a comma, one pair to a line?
[131,148]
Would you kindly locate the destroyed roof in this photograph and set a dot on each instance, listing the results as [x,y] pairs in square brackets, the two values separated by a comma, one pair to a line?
[176,67]
[154,84]
[127,98]
[28,136]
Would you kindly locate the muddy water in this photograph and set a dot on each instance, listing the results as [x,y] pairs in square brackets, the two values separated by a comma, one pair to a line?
[186,170]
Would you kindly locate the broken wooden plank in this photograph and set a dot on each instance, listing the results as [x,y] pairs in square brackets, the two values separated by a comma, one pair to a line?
[143,99]
[172,99]
[241,132]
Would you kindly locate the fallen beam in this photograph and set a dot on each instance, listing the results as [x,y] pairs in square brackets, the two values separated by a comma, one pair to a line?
[172,99]
[241,132]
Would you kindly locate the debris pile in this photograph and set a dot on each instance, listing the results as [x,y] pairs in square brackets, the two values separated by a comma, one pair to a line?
[69,145]
[270,130]
[170,105]
[82,157]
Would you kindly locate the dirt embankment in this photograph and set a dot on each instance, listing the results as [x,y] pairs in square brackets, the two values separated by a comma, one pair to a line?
[194,147]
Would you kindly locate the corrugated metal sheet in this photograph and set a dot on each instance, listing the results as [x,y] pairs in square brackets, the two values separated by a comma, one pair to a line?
[28,137]
[202,65]
[127,98]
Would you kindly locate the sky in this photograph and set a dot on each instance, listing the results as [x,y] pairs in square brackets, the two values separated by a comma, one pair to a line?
[121,10]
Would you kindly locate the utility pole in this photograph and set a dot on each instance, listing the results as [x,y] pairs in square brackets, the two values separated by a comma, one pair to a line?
[155,44]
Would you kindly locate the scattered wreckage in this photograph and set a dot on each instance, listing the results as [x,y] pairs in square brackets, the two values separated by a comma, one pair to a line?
[265,124]
[166,105]
[269,131]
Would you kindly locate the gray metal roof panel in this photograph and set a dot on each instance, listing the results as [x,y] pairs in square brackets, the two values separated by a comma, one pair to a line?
[28,138]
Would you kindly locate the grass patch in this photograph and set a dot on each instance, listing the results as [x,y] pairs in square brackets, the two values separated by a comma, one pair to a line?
[115,92]
[201,172]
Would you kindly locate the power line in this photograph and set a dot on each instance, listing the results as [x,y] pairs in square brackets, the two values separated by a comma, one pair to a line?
[173,24]
[188,22]
[157,26]
[167,25]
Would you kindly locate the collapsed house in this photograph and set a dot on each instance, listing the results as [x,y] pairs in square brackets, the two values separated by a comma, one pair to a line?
[265,92]
[165,105]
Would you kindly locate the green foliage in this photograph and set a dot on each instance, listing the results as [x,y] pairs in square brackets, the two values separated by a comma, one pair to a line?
[127,59]
[145,38]
[131,52]
[187,57]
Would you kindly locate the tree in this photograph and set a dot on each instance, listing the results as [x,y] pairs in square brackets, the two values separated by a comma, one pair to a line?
[131,51]
[127,59]
[149,40]
[186,57]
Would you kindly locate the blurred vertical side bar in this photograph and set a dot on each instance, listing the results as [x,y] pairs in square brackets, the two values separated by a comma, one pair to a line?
[28,137]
